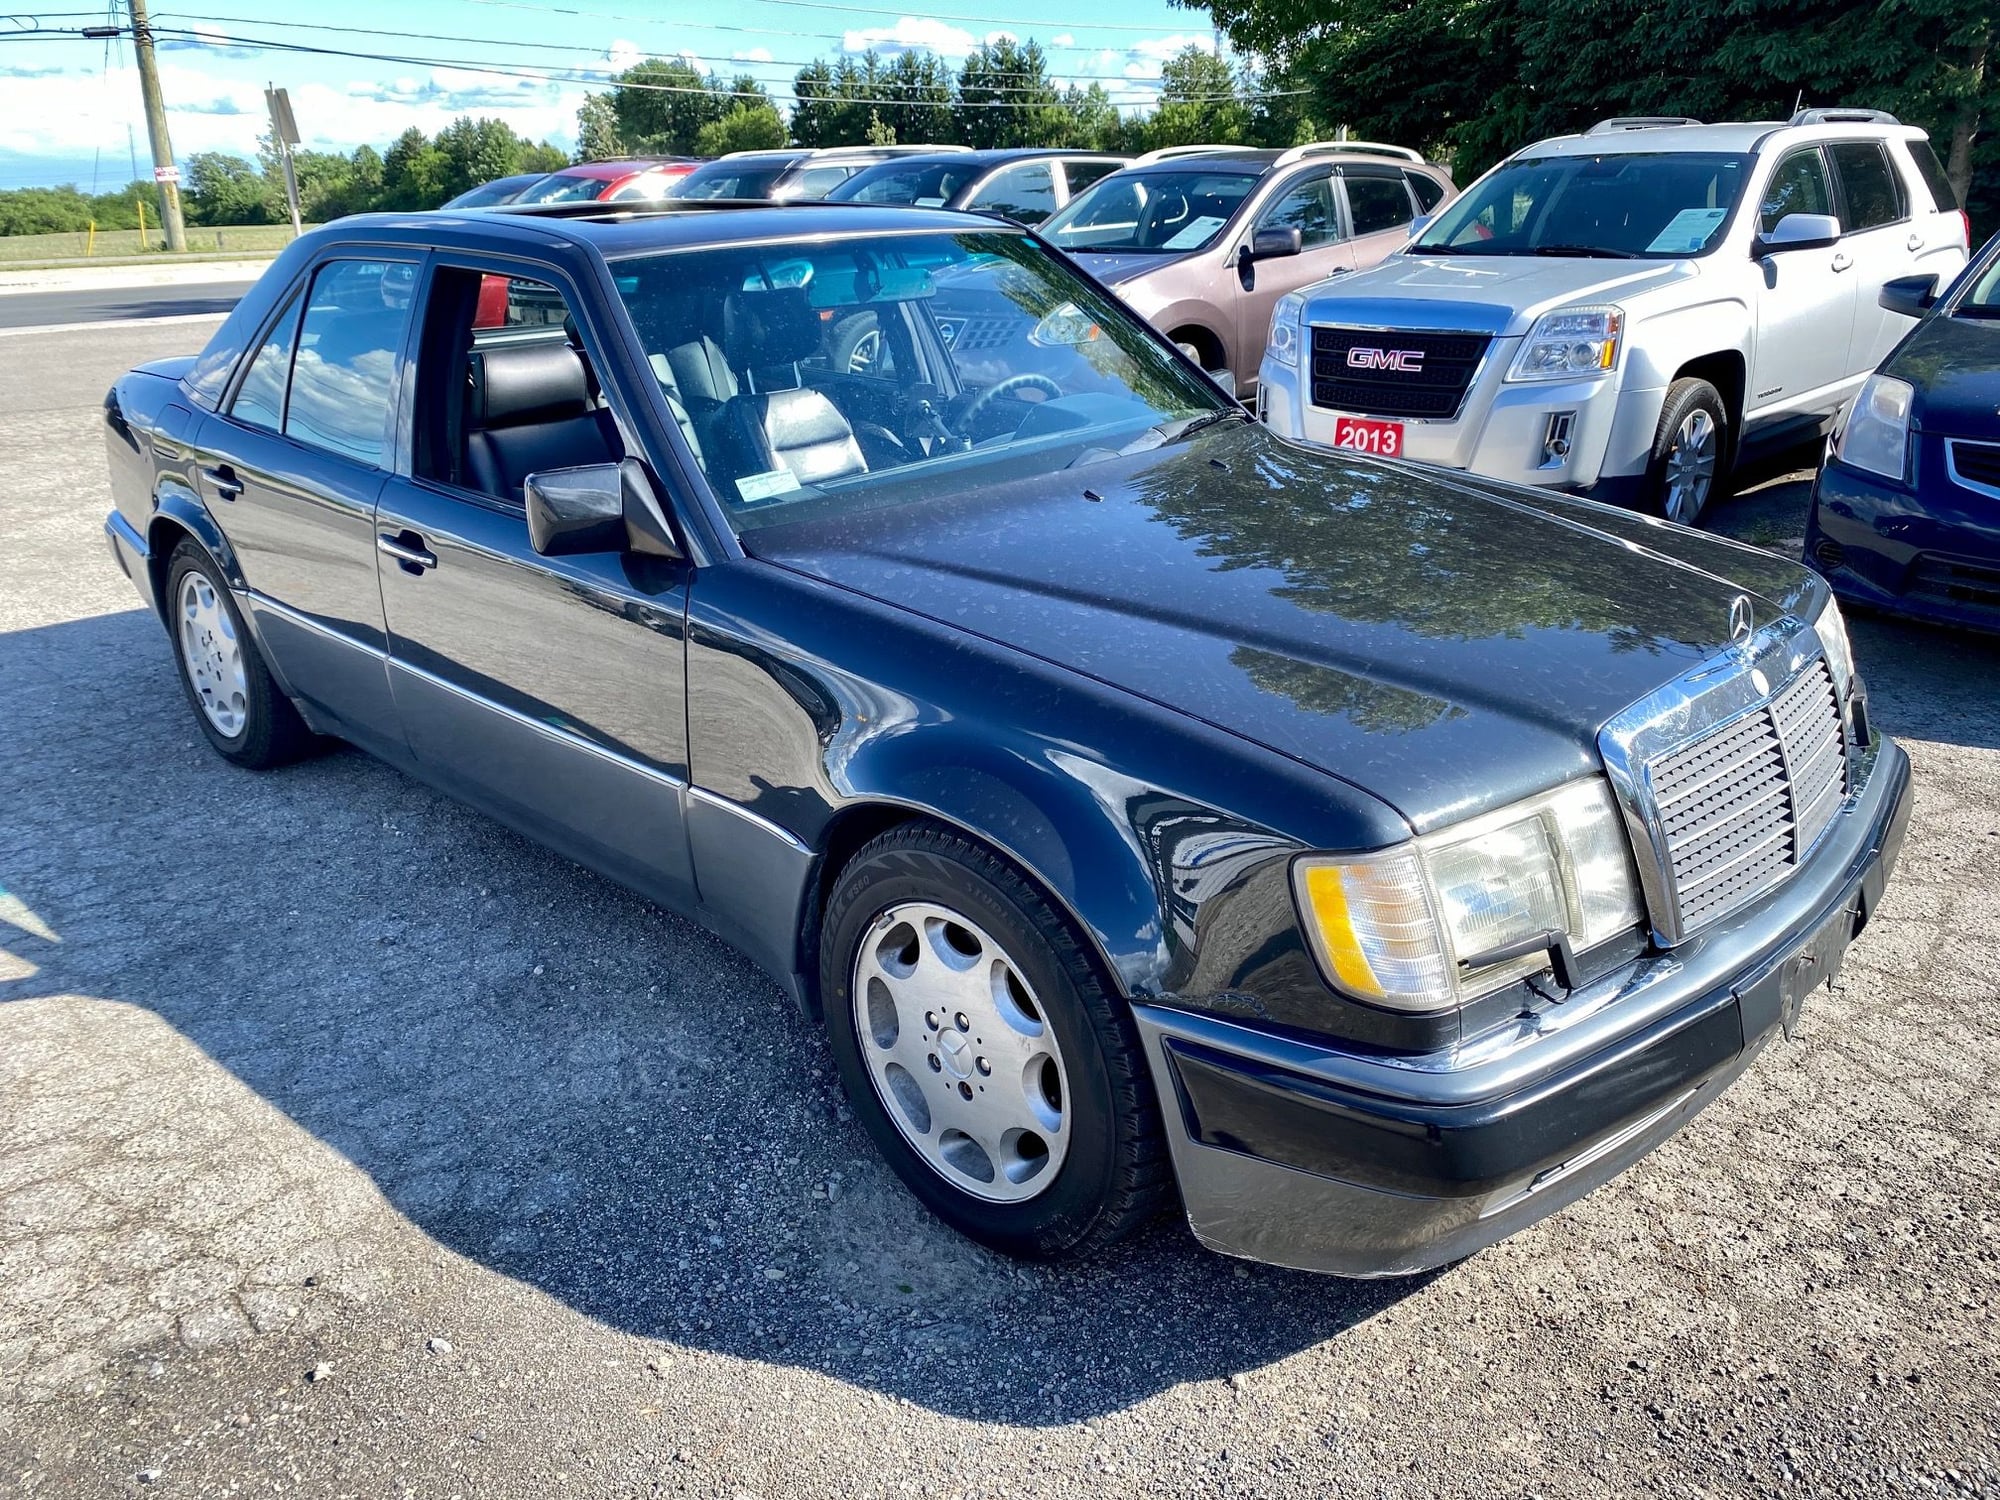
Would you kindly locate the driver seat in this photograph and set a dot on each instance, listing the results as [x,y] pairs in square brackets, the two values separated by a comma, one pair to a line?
[796,429]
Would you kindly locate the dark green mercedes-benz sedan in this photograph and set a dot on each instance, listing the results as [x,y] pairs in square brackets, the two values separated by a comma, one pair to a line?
[1371,858]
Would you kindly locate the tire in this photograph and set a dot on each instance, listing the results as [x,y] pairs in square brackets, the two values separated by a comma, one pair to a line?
[245,715]
[1691,452]
[1029,999]
[857,345]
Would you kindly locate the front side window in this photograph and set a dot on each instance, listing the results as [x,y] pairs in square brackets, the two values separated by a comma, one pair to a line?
[1377,202]
[260,399]
[730,179]
[1082,174]
[812,183]
[1620,205]
[564,187]
[1870,194]
[924,185]
[875,371]
[1026,194]
[1982,297]
[1798,186]
[344,374]
[1157,212]
[1308,208]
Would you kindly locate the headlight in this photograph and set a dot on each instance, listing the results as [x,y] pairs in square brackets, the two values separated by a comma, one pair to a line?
[1417,927]
[1286,317]
[1832,632]
[1876,436]
[1569,342]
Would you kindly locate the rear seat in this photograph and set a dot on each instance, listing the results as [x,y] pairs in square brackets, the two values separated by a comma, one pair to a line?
[529,407]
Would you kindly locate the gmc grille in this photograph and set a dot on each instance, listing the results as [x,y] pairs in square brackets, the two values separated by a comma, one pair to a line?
[1444,366]
[1738,808]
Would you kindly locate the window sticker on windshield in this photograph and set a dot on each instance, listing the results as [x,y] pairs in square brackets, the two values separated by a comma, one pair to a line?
[1196,231]
[1689,229]
[766,486]
[930,203]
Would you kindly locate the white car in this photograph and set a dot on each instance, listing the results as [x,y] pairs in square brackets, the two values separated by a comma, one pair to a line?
[1623,313]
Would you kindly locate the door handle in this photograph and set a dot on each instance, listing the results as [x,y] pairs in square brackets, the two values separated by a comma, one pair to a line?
[411,555]
[1842,260]
[223,478]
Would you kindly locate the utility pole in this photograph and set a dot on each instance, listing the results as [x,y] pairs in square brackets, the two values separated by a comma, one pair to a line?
[165,173]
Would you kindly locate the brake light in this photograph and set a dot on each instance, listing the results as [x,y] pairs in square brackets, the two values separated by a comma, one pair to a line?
[1964,230]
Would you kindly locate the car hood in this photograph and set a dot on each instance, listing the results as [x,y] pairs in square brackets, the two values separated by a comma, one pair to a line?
[1446,646]
[1496,294]
[1955,365]
[1112,268]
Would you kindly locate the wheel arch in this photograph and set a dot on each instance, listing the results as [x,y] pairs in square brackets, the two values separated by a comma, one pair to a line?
[1727,371]
[177,516]
[1204,338]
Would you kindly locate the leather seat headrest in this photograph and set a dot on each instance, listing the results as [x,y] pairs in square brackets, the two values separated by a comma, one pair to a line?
[527,383]
[764,329]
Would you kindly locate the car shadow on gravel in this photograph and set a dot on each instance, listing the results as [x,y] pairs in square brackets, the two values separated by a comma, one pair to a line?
[543,1072]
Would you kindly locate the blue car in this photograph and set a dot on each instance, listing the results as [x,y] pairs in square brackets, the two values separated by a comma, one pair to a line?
[1906,510]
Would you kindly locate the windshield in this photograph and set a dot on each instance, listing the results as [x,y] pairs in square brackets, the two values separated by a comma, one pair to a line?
[733,179]
[564,187]
[1982,298]
[923,185]
[882,370]
[1658,205]
[1151,211]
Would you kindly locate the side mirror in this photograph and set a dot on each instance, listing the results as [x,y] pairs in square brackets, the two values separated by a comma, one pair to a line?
[597,508]
[1798,232]
[1224,378]
[1912,296]
[1420,223]
[1276,244]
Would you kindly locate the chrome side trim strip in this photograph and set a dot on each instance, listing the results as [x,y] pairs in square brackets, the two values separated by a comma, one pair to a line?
[549,731]
[1951,468]
[307,622]
[778,831]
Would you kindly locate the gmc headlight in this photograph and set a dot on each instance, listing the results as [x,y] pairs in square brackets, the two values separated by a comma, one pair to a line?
[1832,632]
[1876,436]
[1569,342]
[1286,330]
[1462,912]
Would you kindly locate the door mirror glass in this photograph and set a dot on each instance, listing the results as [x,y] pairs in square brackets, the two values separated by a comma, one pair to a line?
[596,508]
[1419,224]
[1224,378]
[1275,242]
[1912,296]
[1800,232]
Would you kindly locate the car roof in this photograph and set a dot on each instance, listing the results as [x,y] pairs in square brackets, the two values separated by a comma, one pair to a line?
[623,166]
[1739,138]
[990,157]
[1244,159]
[617,229]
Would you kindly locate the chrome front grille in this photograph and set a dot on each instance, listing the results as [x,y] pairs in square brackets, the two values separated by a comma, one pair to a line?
[1735,810]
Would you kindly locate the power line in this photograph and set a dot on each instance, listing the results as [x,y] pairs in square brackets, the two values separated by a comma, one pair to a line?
[862,10]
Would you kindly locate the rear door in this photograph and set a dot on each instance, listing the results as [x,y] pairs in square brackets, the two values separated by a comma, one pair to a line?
[1805,305]
[549,690]
[1876,232]
[291,466]
[1307,203]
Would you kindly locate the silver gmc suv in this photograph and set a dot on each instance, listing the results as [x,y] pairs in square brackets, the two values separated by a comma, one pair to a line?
[1624,312]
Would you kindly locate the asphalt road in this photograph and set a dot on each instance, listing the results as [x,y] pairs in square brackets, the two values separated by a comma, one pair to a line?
[316,1074]
[114,304]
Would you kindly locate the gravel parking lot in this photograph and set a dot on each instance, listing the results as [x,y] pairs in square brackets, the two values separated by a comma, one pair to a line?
[351,1145]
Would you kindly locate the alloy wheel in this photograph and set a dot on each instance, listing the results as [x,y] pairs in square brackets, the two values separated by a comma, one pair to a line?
[212,655]
[960,1052]
[1690,468]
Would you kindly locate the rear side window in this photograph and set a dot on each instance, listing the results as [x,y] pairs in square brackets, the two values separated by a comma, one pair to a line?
[260,399]
[1025,194]
[344,374]
[1870,193]
[1429,191]
[1377,204]
[1798,186]
[1932,171]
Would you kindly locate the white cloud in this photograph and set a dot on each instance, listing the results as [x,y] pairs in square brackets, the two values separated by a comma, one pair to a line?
[910,34]
[994,38]
[754,55]
[1065,40]
[1158,49]
[623,54]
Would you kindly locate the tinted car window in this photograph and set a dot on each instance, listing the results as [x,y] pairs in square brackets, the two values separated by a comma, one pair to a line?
[1798,187]
[564,187]
[1308,208]
[729,180]
[1081,174]
[345,371]
[260,399]
[1932,171]
[1429,191]
[1026,194]
[1377,203]
[925,184]
[1868,187]
[817,182]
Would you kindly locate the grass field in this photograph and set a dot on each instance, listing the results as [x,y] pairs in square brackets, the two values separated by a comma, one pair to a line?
[247,239]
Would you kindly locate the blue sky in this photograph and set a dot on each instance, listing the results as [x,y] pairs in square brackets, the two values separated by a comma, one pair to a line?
[66,103]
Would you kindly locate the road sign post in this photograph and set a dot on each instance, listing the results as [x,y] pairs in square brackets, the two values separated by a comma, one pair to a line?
[284,136]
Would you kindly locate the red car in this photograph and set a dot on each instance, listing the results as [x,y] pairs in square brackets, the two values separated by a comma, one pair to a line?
[643,179]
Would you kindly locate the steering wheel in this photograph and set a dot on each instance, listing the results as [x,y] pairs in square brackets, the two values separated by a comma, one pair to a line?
[1005,387]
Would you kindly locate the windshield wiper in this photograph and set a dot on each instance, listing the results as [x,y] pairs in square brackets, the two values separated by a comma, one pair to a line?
[1591,252]
[1181,427]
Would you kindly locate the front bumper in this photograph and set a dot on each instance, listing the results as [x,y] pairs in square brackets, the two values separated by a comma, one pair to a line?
[1502,429]
[1324,1159]
[1930,552]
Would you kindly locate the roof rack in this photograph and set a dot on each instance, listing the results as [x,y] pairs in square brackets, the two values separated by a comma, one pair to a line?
[915,149]
[1334,148]
[1639,122]
[1170,153]
[1837,116]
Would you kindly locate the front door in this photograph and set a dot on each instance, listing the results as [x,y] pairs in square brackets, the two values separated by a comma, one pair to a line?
[549,690]
[1805,307]
[291,467]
